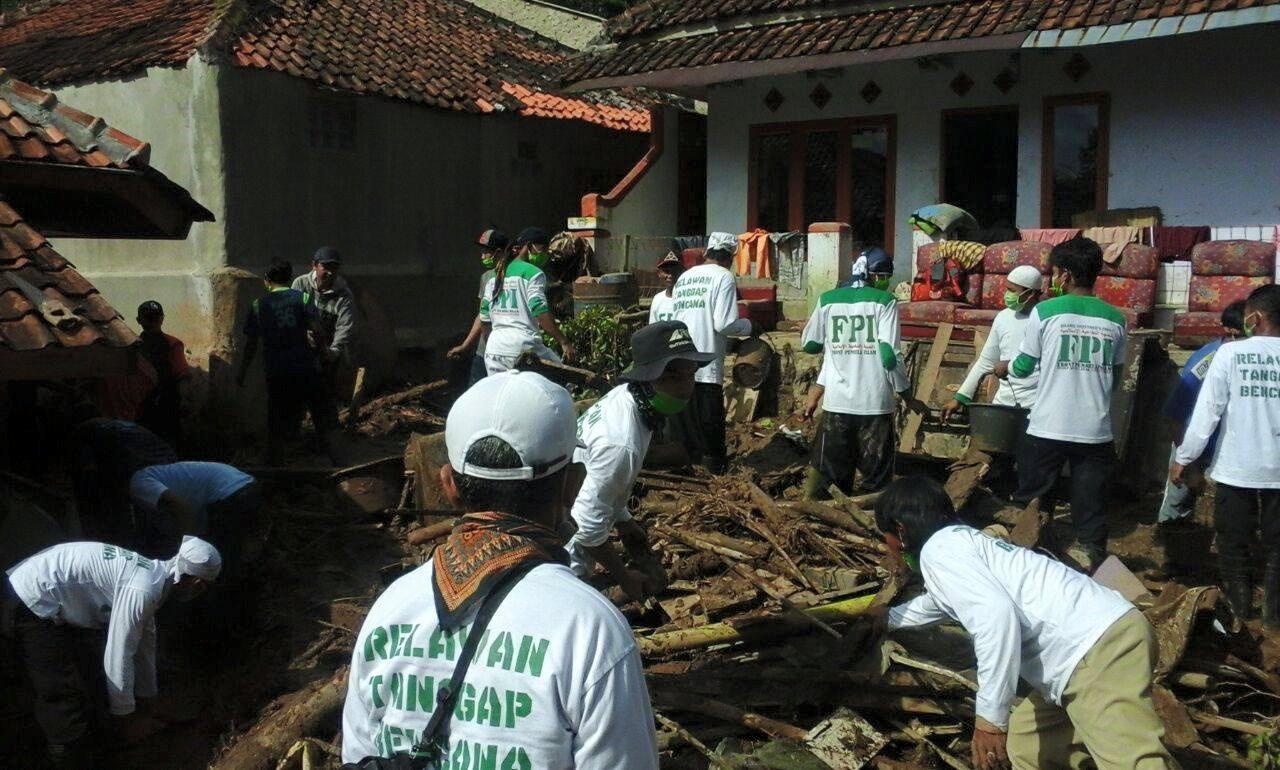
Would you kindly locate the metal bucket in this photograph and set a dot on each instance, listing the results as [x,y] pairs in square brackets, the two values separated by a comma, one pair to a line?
[613,289]
[753,362]
[996,427]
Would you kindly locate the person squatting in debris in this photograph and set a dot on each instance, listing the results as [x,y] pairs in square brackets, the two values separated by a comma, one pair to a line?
[1088,653]
[706,301]
[550,677]
[1179,500]
[514,307]
[1240,402]
[1077,342]
[855,328]
[161,410]
[286,323]
[493,246]
[1021,293]
[614,437]
[94,586]
[669,268]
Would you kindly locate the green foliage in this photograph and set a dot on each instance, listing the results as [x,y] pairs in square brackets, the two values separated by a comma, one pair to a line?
[1264,751]
[603,345]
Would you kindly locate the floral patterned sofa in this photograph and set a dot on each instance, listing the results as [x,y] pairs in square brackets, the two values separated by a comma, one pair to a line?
[1222,272]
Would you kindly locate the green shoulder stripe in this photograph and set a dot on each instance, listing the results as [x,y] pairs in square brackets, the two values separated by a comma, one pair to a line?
[1073,304]
[521,269]
[849,296]
[888,358]
[813,348]
[1023,365]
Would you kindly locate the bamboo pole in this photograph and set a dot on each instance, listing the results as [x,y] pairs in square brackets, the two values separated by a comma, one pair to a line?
[724,633]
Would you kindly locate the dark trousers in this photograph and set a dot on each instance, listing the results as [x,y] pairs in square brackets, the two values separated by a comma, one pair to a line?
[708,406]
[1040,462]
[1239,513]
[291,397]
[865,443]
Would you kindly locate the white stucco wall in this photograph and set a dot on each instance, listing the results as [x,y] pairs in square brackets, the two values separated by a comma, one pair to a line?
[1193,125]
[647,215]
[564,25]
[176,111]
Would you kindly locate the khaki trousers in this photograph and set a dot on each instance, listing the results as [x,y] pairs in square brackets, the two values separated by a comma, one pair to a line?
[1106,713]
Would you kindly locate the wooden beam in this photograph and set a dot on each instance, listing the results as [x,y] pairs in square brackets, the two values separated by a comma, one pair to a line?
[928,382]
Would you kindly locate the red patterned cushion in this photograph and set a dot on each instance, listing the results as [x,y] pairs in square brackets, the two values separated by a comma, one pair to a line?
[1138,294]
[1234,258]
[1196,328]
[933,311]
[924,257]
[1004,257]
[976,316]
[973,290]
[1214,292]
[1136,261]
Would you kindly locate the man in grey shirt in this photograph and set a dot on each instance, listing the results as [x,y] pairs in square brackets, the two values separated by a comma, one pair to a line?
[334,299]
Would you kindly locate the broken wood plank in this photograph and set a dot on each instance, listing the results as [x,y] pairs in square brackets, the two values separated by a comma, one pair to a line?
[759,628]
[826,514]
[289,719]
[927,383]
[431,532]
[695,541]
[394,399]
[786,603]
[697,704]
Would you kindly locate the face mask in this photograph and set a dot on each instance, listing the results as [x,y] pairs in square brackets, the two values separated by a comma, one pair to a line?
[1249,328]
[667,405]
[912,563]
[880,283]
[537,258]
[1012,300]
[488,261]
[1055,289]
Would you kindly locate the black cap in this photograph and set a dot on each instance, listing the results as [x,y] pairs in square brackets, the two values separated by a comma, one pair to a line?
[532,235]
[150,309]
[327,255]
[657,345]
[492,239]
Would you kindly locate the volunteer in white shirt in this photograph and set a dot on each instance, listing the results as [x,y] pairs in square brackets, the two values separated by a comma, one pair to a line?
[706,300]
[556,679]
[1087,653]
[1077,342]
[1240,401]
[492,243]
[95,586]
[514,307]
[614,435]
[1021,293]
[855,327]
[663,306]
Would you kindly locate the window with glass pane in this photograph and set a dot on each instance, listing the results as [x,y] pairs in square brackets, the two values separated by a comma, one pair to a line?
[1078,140]
[820,167]
[869,172]
[773,193]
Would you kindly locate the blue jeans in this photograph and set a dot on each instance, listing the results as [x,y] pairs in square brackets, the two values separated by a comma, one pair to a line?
[1178,502]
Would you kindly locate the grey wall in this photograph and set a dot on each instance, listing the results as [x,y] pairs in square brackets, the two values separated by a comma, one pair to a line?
[1192,124]
[568,27]
[407,201]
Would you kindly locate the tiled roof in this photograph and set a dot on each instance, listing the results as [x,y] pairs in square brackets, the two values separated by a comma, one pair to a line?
[834,33]
[74,314]
[443,53]
[35,126]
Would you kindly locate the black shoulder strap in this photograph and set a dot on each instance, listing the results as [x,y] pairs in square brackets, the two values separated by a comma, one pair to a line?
[447,696]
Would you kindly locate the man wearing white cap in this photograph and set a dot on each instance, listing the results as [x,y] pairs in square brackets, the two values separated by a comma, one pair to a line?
[706,300]
[1021,293]
[95,585]
[494,653]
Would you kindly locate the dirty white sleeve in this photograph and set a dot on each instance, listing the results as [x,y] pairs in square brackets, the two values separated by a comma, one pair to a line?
[986,363]
[985,609]
[144,685]
[724,310]
[814,335]
[129,619]
[920,611]
[611,473]
[357,732]
[1031,351]
[890,333]
[536,294]
[616,730]
[1210,405]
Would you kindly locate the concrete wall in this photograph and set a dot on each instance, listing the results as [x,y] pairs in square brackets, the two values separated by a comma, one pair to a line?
[1192,124]
[564,25]
[642,225]
[406,202]
[177,111]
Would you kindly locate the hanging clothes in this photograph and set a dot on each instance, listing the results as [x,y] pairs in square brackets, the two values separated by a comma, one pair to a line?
[753,247]
[1176,242]
[1051,236]
[1113,240]
[790,249]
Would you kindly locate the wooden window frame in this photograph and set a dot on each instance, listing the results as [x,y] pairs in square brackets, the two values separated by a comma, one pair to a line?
[799,130]
[1103,101]
[942,138]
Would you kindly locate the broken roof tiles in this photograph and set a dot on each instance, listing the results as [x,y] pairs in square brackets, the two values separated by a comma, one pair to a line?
[37,284]
[448,54]
[760,31]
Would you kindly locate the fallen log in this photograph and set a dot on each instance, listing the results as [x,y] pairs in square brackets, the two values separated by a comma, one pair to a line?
[394,399]
[833,517]
[752,630]
[696,704]
[290,719]
[695,541]
[431,532]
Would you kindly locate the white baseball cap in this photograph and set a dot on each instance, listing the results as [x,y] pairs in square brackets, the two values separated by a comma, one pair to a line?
[526,410]
[1025,276]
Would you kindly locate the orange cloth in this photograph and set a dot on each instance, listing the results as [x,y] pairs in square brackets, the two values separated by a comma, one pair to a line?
[753,247]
